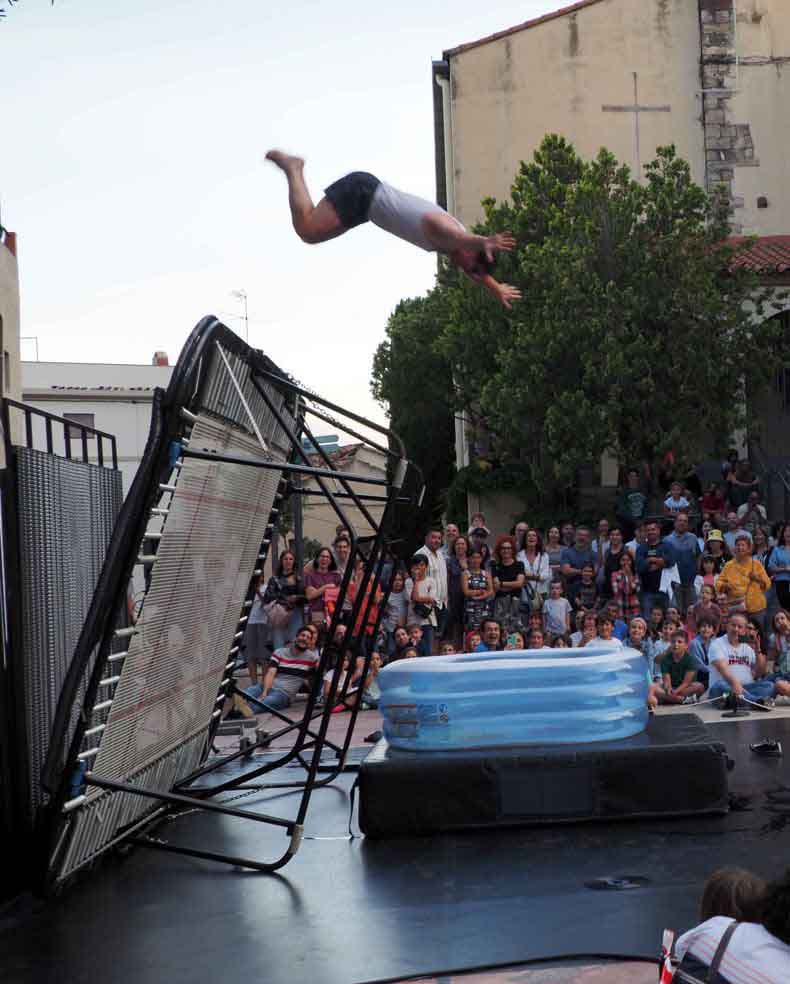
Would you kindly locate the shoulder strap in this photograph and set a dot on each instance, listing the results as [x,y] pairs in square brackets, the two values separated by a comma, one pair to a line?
[719,954]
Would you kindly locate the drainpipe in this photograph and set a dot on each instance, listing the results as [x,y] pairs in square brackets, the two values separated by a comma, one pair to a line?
[442,77]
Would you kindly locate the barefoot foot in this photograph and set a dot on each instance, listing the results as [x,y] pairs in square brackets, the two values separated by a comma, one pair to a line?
[286,162]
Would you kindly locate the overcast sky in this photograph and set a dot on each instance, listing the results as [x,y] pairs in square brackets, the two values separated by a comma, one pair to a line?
[132,137]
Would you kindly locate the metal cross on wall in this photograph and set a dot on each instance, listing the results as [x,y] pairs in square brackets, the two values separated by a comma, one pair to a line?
[636,109]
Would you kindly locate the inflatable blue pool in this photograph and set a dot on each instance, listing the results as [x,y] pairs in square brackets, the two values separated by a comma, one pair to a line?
[480,700]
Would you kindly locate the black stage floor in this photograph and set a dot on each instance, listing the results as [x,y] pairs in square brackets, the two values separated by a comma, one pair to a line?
[347,911]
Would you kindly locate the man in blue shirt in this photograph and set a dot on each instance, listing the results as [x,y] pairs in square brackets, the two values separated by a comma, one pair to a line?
[492,636]
[686,547]
[574,558]
[620,630]
[652,558]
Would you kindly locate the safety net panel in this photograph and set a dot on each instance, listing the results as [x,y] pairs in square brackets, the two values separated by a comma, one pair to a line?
[166,692]
[66,512]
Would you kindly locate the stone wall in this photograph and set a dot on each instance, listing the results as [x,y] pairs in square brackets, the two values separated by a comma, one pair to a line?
[728,144]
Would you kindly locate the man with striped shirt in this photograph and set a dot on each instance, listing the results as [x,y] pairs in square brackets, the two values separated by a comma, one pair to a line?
[289,668]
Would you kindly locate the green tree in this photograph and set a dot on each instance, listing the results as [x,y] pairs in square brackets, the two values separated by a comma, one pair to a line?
[635,331]
[412,380]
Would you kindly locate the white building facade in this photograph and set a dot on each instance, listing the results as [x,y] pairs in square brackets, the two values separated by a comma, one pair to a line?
[112,398]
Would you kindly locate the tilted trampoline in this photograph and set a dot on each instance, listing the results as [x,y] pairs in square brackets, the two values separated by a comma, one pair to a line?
[128,727]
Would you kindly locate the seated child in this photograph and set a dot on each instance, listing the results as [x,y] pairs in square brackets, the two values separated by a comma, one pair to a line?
[371,693]
[447,649]
[516,640]
[678,673]
[417,639]
[343,703]
[675,501]
[537,639]
[706,607]
[605,637]
[664,641]
[700,648]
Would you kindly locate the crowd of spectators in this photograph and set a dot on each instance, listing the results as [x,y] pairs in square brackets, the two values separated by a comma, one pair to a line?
[700,587]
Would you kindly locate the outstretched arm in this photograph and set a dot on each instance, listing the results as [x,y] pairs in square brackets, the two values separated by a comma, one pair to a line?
[447,235]
[504,293]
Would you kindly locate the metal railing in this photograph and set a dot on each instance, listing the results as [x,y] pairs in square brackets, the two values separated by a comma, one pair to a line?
[85,432]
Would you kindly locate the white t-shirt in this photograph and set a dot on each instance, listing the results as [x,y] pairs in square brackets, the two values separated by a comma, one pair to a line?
[437,572]
[402,214]
[675,505]
[555,612]
[606,643]
[426,589]
[753,955]
[741,660]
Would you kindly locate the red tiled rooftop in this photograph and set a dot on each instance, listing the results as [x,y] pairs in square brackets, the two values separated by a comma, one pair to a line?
[769,255]
[552,15]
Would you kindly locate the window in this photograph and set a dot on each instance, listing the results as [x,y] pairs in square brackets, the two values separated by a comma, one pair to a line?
[782,377]
[86,419]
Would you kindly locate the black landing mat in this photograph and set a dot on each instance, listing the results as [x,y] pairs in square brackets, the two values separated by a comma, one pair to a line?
[674,768]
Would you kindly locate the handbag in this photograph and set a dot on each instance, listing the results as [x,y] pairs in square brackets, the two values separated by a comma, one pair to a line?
[424,611]
[277,614]
[531,599]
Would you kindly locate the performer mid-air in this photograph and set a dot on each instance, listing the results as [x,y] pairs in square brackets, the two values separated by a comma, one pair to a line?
[359,197]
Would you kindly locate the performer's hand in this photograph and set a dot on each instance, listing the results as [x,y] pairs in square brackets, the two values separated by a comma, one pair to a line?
[507,294]
[501,242]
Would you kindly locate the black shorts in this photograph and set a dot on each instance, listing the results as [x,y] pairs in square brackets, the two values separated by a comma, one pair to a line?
[351,197]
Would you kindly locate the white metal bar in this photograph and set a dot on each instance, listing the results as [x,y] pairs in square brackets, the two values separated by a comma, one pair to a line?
[236,386]
[70,805]
[89,754]
[102,706]
[125,633]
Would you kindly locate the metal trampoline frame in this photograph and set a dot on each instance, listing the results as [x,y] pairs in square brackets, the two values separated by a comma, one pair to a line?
[65,777]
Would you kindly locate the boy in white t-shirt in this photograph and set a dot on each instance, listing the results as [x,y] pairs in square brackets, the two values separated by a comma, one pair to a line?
[734,666]
[557,612]
[676,501]
[359,197]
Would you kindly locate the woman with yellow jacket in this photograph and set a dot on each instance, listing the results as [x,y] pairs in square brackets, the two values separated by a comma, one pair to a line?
[744,581]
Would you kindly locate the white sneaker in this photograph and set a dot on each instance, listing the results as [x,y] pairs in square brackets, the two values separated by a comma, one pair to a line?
[782,701]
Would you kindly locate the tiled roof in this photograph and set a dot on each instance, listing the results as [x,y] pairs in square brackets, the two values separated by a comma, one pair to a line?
[562,12]
[339,457]
[769,255]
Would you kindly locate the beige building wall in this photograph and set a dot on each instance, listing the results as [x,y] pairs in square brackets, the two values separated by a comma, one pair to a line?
[10,371]
[761,101]
[558,76]
[319,520]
